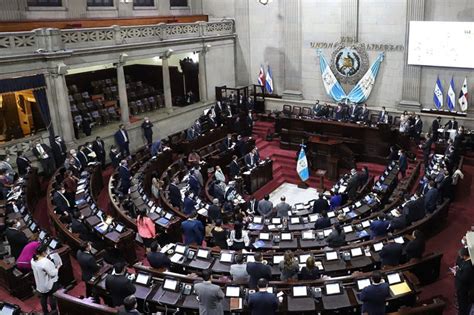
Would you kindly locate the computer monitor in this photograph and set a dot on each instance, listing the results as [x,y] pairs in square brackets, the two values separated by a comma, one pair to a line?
[394,278]
[313,217]
[327,232]
[232,291]
[362,283]
[300,291]
[277,259]
[203,253]
[42,235]
[358,204]
[308,235]
[143,278]
[286,236]
[365,224]
[257,220]
[333,288]
[226,257]
[348,229]
[101,227]
[250,258]
[331,256]
[168,216]
[181,249]
[331,214]
[294,220]
[264,236]
[33,226]
[303,258]
[378,246]
[170,285]
[356,252]
[119,228]
[8,309]
[53,244]
[276,221]
[399,240]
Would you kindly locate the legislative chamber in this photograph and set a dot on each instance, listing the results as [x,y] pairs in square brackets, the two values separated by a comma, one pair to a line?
[236,157]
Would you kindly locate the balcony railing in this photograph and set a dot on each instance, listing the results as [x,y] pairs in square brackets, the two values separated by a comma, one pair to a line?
[50,40]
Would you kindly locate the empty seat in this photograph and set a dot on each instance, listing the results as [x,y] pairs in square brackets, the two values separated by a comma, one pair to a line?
[296,110]
[306,111]
[287,109]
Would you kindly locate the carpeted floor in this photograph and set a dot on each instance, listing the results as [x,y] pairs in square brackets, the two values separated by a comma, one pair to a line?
[446,241]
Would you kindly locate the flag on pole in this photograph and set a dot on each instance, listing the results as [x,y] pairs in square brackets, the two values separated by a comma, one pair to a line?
[331,85]
[360,93]
[302,165]
[463,101]
[438,94]
[261,76]
[269,80]
[451,101]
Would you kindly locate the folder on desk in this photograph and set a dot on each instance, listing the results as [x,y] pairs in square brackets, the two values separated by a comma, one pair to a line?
[400,288]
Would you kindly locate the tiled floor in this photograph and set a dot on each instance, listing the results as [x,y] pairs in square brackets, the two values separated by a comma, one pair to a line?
[293,194]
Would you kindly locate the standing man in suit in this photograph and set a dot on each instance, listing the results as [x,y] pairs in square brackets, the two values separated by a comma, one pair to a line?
[417,128]
[282,208]
[22,163]
[383,116]
[253,205]
[354,112]
[118,285]
[416,247]
[426,147]
[210,296]
[194,184]
[257,270]
[265,206]
[193,230]
[364,114]
[451,124]
[16,238]
[82,156]
[189,204]
[379,227]
[115,156]
[402,163]
[262,301]
[125,177]
[123,141]
[352,185]
[88,265]
[391,254]
[320,204]
[435,125]
[99,148]
[175,193]
[59,150]
[44,155]
[463,280]
[147,127]
[431,197]
[234,168]
[373,296]
[61,203]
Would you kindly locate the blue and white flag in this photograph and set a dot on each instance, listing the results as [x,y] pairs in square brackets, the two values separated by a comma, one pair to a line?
[332,86]
[302,166]
[438,94]
[451,101]
[269,80]
[360,93]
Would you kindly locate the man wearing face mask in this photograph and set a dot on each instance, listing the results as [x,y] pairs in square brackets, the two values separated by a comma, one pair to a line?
[123,141]
[16,238]
[125,177]
[59,150]
[60,201]
[147,127]
[44,155]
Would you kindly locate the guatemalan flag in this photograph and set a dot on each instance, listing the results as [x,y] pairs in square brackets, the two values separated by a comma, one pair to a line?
[332,86]
[360,93]
[261,76]
[451,101]
[463,96]
[269,80]
[302,166]
[438,94]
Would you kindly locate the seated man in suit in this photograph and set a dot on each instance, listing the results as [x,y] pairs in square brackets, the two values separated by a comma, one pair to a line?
[61,203]
[373,296]
[123,141]
[88,265]
[156,258]
[15,238]
[323,221]
[431,197]
[398,221]
[78,227]
[391,254]
[265,206]
[257,270]
[118,285]
[234,168]
[379,227]
[189,205]
[383,116]
[364,115]
[193,230]
[282,208]
[320,204]
[175,193]
[125,177]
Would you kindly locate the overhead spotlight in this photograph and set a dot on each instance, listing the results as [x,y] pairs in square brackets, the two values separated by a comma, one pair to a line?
[123,58]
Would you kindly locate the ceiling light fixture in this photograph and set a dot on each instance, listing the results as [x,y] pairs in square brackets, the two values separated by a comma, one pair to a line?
[265,2]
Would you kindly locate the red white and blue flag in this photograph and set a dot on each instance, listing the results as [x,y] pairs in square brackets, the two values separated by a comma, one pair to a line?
[261,76]
[463,96]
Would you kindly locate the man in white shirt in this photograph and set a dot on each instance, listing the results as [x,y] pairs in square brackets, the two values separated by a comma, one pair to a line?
[44,155]
[45,273]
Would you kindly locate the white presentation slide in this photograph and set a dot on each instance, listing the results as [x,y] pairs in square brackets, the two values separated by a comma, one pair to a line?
[442,44]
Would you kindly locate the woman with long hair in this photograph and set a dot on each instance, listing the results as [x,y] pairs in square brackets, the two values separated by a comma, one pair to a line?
[45,273]
[310,271]
[146,228]
[238,238]
[289,267]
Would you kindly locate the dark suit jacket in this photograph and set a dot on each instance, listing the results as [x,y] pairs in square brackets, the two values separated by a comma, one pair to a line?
[378,228]
[464,276]
[391,254]
[451,124]
[46,149]
[120,139]
[234,169]
[88,265]
[431,199]
[124,174]
[22,163]
[249,161]
[256,271]
[189,205]
[263,303]
[352,185]
[364,115]
[99,149]
[373,298]
[320,205]
[418,127]
[158,260]
[214,213]
[402,163]
[414,210]
[119,288]
[435,126]
[147,129]
[175,195]
[59,152]
[415,248]
[79,227]
[322,223]
[60,202]
[82,156]
[193,232]
[17,241]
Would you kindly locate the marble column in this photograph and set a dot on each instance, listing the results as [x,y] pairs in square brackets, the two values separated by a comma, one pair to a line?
[60,110]
[167,84]
[350,20]
[292,49]
[202,77]
[412,74]
[243,56]
[122,89]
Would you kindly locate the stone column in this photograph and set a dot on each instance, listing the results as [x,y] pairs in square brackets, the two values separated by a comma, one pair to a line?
[243,59]
[292,48]
[350,20]
[167,85]
[122,89]
[61,107]
[202,77]
[412,74]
